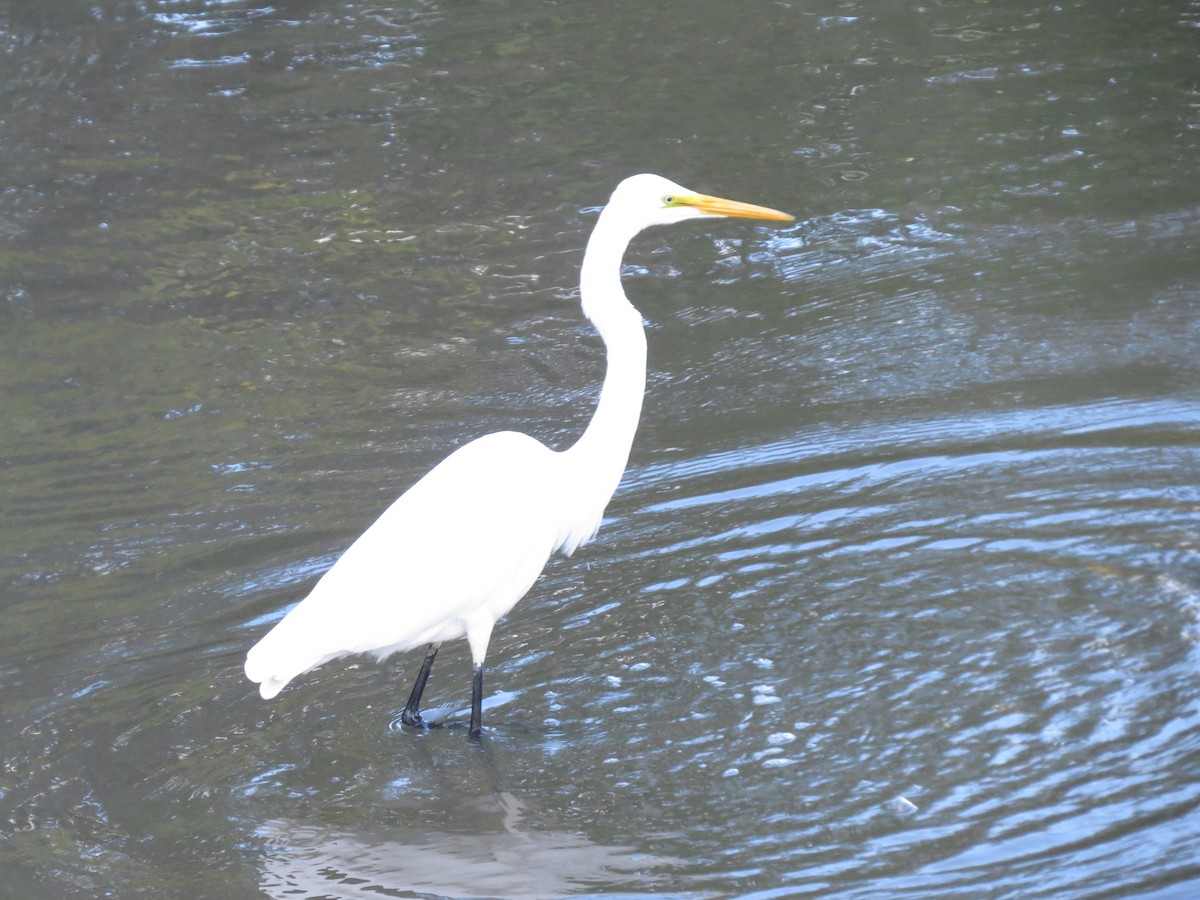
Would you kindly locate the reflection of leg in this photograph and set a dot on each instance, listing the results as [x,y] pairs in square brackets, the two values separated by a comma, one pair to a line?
[476,702]
[412,711]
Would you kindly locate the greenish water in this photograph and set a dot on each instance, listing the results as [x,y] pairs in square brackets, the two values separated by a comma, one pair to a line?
[900,593]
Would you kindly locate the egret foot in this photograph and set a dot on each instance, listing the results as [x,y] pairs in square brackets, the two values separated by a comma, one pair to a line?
[412,718]
[412,710]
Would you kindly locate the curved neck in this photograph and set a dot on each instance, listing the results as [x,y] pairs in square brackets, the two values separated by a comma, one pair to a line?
[597,460]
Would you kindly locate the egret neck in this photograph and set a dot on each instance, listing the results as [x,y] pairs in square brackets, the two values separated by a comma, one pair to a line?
[596,462]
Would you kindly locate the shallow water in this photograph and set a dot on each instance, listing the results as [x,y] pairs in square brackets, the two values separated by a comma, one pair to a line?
[900,594]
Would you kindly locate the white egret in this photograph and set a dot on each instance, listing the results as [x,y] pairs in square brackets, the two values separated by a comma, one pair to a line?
[457,550]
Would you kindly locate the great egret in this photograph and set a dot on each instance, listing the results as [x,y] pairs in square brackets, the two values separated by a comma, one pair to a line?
[457,550]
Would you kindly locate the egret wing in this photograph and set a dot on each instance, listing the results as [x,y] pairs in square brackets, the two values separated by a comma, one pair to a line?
[466,541]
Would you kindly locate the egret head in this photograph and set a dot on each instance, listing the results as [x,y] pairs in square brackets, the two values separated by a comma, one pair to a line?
[652,200]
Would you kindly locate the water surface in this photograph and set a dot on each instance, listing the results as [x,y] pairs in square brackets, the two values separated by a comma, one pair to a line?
[900,594]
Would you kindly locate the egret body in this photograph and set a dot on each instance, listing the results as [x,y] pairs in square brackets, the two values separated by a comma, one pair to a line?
[457,550]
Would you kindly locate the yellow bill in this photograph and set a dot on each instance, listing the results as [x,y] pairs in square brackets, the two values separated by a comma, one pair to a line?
[718,206]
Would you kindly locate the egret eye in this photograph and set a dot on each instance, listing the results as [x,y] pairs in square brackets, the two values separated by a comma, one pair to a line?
[668,200]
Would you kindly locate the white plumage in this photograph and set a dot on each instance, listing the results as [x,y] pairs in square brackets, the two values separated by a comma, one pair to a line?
[458,550]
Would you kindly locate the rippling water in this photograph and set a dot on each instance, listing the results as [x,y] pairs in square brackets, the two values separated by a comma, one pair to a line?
[901,593]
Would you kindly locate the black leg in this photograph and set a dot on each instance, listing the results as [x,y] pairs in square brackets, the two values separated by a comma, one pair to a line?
[476,703]
[412,711]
